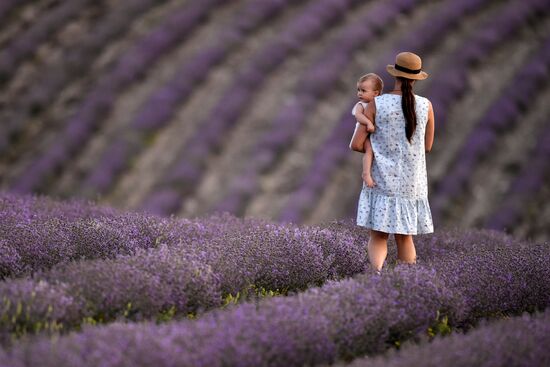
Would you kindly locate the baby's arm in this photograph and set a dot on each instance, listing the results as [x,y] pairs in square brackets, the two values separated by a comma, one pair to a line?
[362,119]
[368,157]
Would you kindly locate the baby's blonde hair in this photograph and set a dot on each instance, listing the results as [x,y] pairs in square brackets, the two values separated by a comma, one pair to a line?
[378,83]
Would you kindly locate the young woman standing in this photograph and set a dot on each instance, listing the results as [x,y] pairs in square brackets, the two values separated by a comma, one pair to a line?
[398,204]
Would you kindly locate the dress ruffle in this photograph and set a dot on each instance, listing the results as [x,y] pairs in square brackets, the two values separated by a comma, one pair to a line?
[391,214]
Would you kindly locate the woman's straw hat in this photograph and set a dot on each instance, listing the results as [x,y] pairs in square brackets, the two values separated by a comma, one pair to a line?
[407,65]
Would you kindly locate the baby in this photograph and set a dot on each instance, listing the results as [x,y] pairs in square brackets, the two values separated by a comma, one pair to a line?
[368,86]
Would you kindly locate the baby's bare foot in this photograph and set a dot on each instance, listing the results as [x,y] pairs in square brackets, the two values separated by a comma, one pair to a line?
[368,180]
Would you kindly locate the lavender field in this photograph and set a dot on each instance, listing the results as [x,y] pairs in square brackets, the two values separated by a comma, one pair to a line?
[192,108]
[176,187]
[85,285]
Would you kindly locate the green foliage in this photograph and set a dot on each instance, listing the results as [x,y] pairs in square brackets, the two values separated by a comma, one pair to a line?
[440,327]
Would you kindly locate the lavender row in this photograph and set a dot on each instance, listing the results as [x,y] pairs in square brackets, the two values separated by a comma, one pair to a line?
[37,233]
[27,43]
[517,341]
[530,180]
[503,114]
[335,148]
[99,101]
[8,6]
[185,174]
[447,87]
[341,320]
[317,81]
[75,62]
[190,271]
[163,102]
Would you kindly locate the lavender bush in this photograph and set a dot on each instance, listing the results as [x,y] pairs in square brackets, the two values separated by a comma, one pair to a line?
[518,341]
[339,320]
[345,318]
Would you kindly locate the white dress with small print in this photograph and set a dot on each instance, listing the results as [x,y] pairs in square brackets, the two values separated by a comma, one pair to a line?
[399,201]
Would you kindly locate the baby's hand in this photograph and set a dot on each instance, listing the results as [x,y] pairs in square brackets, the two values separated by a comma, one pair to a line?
[370,127]
[368,180]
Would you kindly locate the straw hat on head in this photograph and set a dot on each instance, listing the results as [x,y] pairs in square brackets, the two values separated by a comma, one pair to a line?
[407,65]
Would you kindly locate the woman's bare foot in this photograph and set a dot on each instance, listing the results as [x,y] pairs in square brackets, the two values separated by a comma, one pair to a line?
[368,179]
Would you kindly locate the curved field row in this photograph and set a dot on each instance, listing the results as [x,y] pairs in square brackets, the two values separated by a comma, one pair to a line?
[166,149]
[184,175]
[118,125]
[43,130]
[502,115]
[83,42]
[241,145]
[130,67]
[159,108]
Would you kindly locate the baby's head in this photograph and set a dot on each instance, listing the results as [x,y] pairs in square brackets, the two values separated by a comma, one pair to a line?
[369,86]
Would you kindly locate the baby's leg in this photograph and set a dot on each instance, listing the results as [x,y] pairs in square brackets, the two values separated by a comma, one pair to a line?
[368,157]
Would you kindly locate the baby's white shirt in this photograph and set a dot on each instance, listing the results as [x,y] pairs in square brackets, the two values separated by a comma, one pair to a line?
[364,104]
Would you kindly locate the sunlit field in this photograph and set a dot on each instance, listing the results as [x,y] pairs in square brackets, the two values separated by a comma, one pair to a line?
[177,187]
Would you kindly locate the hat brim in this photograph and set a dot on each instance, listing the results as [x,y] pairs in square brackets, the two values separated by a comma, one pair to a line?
[420,76]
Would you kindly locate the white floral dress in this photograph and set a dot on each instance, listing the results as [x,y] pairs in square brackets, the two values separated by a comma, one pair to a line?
[399,201]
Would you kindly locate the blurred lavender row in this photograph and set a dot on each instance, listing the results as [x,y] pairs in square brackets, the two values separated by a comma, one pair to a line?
[335,148]
[8,6]
[27,43]
[317,82]
[530,180]
[99,101]
[342,320]
[76,61]
[186,173]
[501,115]
[446,87]
[517,341]
[161,105]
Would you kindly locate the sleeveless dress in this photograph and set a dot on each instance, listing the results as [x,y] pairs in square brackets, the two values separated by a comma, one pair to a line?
[399,201]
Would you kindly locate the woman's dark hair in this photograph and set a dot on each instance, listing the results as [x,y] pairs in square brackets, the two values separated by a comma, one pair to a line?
[407,103]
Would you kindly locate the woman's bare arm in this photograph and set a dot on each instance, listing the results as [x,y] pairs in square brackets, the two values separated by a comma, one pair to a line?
[430,128]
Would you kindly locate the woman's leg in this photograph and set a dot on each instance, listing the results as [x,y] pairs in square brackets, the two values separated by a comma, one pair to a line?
[405,248]
[377,248]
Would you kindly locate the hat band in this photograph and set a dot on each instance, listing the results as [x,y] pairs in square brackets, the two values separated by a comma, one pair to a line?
[406,70]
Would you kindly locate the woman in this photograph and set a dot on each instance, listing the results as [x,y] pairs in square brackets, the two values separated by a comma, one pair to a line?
[398,203]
